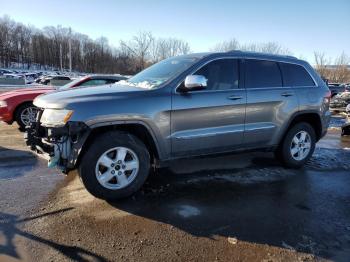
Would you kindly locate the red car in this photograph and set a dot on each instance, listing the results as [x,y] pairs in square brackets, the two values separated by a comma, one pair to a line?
[17,105]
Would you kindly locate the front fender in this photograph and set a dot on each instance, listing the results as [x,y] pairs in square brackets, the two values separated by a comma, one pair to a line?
[160,145]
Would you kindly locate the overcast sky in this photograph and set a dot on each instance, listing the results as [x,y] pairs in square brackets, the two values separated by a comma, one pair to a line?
[301,26]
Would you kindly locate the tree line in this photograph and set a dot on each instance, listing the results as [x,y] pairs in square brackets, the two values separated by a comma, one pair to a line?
[335,70]
[50,48]
[340,70]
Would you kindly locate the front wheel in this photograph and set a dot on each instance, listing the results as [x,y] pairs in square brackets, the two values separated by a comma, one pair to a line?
[298,146]
[115,166]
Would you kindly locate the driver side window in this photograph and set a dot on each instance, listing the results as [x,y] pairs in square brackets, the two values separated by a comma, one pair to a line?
[222,74]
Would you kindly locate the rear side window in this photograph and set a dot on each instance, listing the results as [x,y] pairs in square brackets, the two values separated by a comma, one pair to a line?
[262,73]
[295,75]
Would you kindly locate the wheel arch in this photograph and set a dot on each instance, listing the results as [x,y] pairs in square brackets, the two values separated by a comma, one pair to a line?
[18,106]
[310,117]
[138,129]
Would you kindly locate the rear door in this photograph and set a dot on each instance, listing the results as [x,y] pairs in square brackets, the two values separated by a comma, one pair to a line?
[210,120]
[270,104]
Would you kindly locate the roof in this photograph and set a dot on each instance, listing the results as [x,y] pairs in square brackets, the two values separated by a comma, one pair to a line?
[260,54]
[244,54]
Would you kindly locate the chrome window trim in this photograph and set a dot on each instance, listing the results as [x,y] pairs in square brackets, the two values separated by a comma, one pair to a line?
[278,87]
[198,68]
[244,88]
[286,62]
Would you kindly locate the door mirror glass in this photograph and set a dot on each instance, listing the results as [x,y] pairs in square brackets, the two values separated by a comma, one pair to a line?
[195,82]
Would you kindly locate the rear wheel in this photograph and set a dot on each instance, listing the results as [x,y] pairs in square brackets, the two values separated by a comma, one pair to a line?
[115,166]
[25,114]
[298,146]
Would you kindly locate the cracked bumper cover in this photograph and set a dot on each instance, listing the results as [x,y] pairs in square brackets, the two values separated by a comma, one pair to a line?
[45,141]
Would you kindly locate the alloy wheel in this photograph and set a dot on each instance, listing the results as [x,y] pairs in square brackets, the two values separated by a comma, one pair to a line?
[300,146]
[117,168]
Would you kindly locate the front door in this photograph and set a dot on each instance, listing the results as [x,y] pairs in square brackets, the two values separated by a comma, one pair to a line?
[210,120]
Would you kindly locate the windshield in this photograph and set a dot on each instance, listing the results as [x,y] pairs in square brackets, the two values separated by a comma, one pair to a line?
[161,72]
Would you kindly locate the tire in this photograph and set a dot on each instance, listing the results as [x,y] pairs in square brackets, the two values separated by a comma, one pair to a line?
[91,171]
[345,131]
[21,110]
[285,151]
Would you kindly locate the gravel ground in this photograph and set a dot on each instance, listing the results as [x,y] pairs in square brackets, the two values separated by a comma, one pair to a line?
[225,208]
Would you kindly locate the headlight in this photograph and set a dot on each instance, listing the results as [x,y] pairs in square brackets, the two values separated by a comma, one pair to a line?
[55,117]
[3,103]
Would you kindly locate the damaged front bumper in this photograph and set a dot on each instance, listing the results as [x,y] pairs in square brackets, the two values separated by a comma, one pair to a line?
[61,146]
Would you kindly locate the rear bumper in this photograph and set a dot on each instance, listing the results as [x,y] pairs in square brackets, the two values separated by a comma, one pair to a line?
[6,115]
[326,119]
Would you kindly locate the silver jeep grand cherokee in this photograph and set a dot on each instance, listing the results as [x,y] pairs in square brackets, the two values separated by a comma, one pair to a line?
[183,106]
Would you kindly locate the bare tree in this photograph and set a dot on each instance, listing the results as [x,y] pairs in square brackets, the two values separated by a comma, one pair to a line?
[341,71]
[338,72]
[269,47]
[320,63]
[163,48]
[225,46]
[139,47]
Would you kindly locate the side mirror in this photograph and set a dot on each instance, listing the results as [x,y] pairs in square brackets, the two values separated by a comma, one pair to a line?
[195,82]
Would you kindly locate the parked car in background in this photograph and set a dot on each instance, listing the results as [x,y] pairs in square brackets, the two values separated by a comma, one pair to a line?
[30,77]
[347,87]
[336,88]
[5,71]
[340,102]
[183,106]
[13,76]
[47,79]
[17,105]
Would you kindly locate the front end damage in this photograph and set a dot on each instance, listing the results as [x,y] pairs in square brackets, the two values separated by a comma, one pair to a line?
[61,146]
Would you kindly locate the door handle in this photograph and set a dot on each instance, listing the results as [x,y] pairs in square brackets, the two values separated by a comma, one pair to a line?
[286,94]
[234,97]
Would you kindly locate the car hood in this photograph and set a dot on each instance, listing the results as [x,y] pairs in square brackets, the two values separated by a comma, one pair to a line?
[24,91]
[66,98]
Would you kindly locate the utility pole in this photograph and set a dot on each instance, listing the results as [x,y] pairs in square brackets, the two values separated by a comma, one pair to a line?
[61,62]
[70,49]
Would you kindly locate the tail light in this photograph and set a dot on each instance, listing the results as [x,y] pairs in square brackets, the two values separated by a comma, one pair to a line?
[327,97]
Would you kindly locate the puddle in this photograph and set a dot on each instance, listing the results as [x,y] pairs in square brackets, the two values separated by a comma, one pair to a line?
[337,121]
[188,211]
[329,159]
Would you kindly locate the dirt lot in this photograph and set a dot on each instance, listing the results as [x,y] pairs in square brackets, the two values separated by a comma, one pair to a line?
[224,208]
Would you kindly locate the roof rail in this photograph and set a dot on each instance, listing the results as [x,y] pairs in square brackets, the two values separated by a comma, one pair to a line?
[233,50]
[260,53]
